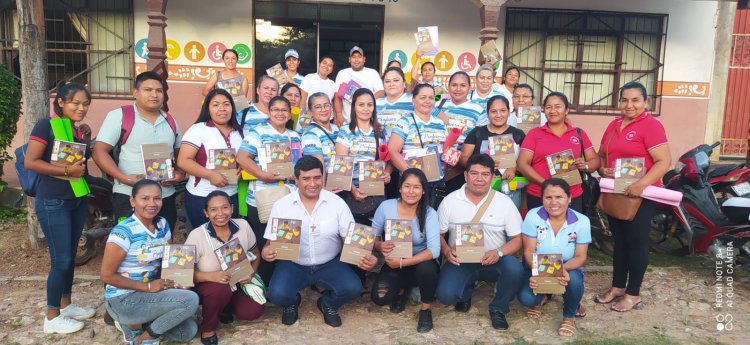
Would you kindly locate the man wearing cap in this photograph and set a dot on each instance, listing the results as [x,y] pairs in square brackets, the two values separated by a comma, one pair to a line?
[291,60]
[366,77]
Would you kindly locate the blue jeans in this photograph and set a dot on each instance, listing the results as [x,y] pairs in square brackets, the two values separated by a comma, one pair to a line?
[571,297]
[456,283]
[515,196]
[340,283]
[195,205]
[170,312]
[62,223]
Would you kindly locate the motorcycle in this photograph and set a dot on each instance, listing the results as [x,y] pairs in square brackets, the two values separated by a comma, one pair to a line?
[699,224]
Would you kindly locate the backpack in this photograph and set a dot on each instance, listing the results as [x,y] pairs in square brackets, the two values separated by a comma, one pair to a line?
[128,122]
[28,179]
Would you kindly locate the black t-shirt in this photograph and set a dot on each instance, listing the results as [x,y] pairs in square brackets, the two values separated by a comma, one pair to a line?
[482,133]
[50,187]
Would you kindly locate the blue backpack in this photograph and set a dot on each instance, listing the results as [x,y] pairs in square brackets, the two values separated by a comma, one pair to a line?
[29,179]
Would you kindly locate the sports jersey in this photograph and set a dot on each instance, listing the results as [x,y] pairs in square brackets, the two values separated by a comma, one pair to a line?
[465,116]
[318,141]
[361,145]
[254,118]
[389,113]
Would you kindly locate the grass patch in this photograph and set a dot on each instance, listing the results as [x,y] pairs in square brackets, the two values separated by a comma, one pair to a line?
[657,339]
[13,215]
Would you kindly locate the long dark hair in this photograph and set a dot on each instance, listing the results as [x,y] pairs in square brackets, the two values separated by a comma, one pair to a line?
[373,119]
[66,92]
[205,115]
[424,203]
[137,188]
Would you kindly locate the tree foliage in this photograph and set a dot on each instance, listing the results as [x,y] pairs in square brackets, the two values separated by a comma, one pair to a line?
[10,111]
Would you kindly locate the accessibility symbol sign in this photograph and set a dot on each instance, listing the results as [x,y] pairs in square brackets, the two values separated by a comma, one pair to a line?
[243,53]
[194,51]
[444,61]
[141,48]
[466,62]
[215,50]
[398,55]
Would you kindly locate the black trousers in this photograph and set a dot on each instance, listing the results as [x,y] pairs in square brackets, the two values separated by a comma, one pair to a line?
[630,258]
[424,275]
[122,209]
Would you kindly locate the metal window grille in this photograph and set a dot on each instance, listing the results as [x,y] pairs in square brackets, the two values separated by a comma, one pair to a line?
[90,42]
[587,55]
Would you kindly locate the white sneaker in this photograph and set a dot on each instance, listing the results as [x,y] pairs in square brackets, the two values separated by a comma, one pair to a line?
[62,324]
[78,313]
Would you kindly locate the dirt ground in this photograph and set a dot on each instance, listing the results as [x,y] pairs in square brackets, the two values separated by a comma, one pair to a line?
[680,309]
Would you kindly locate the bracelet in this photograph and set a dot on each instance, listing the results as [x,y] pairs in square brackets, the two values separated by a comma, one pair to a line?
[66,171]
[148,286]
[401,263]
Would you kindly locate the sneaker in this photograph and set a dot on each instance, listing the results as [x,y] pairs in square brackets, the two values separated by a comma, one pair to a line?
[424,324]
[290,315]
[212,340]
[399,303]
[498,321]
[330,316]
[62,324]
[463,307]
[79,313]
[150,342]
[128,335]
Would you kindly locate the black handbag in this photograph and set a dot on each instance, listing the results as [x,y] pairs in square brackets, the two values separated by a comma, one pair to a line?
[590,184]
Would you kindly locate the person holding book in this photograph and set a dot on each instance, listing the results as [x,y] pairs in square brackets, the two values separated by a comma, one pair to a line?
[464,115]
[477,203]
[258,113]
[218,298]
[325,221]
[291,62]
[427,75]
[478,138]
[254,144]
[365,77]
[395,280]
[649,142]
[416,132]
[152,125]
[523,96]
[144,306]
[361,138]
[215,132]
[319,139]
[396,104]
[292,93]
[510,80]
[555,228]
[557,135]
[60,204]
[319,81]
[484,90]
[230,78]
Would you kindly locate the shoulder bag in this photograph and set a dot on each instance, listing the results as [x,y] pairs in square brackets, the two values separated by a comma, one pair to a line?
[590,184]
[617,206]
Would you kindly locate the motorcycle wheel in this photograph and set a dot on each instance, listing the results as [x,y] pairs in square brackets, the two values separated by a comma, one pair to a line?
[667,235]
[86,249]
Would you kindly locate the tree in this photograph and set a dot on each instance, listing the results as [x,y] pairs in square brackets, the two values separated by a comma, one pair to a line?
[34,93]
[10,110]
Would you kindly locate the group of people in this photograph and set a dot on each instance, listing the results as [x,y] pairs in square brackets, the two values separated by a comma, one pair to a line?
[384,111]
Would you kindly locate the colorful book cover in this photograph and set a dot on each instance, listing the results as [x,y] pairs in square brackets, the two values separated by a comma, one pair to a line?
[562,165]
[427,40]
[358,243]
[285,238]
[157,161]
[427,160]
[277,72]
[545,269]
[66,153]
[371,178]
[351,87]
[339,173]
[280,157]
[502,148]
[399,231]
[529,117]
[223,161]
[627,171]
[234,260]
[470,242]
[178,264]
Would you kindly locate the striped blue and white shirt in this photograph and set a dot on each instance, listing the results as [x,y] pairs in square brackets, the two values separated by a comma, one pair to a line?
[474,97]
[432,132]
[465,116]
[254,118]
[143,251]
[361,145]
[319,141]
[389,113]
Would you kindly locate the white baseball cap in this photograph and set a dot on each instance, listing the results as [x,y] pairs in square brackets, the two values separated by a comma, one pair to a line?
[291,52]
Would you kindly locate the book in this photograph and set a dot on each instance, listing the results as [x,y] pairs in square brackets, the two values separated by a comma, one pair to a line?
[277,73]
[561,165]
[340,171]
[157,161]
[279,157]
[427,160]
[285,237]
[178,264]
[351,87]
[427,40]
[545,269]
[470,242]
[358,243]
[234,260]
[371,178]
[529,117]
[305,118]
[627,171]
[502,148]
[223,161]
[67,153]
[399,232]
[490,52]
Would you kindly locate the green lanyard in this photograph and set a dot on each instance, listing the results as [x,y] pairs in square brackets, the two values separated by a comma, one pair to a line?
[63,130]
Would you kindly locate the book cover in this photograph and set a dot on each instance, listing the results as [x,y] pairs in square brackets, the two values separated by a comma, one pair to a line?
[627,171]
[157,161]
[285,237]
[66,153]
[427,160]
[399,232]
[351,87]
[502,148]
[561,165]
[224,161]
[529,117]
[358,243]
[371,178]
[305,118]
[340,171]
[470,242]
[427,40]
[545,269]
[234,260]
[178,264]
[490,52]
[280,157]
[277,73]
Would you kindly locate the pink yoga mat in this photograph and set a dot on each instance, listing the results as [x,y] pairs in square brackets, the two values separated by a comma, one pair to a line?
[658,194]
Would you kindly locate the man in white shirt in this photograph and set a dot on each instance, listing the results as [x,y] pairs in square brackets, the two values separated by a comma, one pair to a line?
[318,81]
[500,220]
[366,77]
[325,220]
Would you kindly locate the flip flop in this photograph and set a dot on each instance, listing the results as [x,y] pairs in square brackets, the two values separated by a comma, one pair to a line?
[625,304]
[534,312]
[600,298]
[567,328]
[581,312]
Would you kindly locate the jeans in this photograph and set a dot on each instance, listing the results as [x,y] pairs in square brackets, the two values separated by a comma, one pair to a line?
[195,205]
[456,283]
[122,209]
[515,196]
[571,297]
[340,283]
[424,275]
[62,223]
[216,298]
[170,312]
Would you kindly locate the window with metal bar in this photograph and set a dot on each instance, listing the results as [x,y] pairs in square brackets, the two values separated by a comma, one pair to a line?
[587,55]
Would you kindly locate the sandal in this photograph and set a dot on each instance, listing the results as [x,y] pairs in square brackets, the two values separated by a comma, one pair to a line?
[534,312]
[581,312]
[601,298]
[627,304]
[567,328]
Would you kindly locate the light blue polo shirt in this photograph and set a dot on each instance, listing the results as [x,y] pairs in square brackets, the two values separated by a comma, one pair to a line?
[131,158]
[575,231]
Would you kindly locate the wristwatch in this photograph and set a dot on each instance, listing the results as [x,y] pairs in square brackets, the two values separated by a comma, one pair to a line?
[499,253]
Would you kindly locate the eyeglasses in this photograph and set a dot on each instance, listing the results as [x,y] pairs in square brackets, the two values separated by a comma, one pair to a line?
[279,110]
[326,106]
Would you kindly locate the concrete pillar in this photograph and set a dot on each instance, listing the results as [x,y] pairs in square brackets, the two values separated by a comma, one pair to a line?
[722,50]
[489,13]
[157,42]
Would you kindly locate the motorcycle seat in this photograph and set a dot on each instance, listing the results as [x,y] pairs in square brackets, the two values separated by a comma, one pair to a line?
[722,169]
